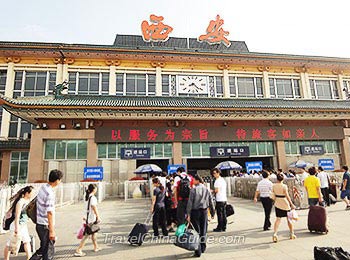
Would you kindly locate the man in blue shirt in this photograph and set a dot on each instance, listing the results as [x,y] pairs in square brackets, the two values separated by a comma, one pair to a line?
[345,188]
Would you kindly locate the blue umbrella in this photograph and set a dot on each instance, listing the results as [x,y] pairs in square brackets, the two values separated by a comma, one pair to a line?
[146,168]
[228,165]
[301,164]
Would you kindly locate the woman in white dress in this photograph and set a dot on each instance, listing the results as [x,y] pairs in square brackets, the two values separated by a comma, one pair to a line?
[19,229]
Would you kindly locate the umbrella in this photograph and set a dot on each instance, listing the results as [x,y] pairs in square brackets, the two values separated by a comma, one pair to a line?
[148,168]
[300,164]
[228,165]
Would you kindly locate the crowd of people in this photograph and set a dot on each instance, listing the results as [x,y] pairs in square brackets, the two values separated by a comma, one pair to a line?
[177,199]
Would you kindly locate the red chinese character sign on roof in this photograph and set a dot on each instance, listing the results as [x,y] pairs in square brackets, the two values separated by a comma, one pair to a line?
[215,34]
[156,31]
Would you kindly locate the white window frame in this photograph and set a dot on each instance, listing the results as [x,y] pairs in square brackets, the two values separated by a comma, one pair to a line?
[291,78]
[254,76]
[77,73]
[332,86]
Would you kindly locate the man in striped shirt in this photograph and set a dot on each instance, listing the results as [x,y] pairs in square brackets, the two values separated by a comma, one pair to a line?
[264,189]
[45,224]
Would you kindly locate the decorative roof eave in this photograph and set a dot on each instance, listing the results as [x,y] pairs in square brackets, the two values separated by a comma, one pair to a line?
[14,144]
[169,55]
[32,115]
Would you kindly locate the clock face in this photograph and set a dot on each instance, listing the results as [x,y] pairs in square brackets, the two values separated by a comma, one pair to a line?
[193,85]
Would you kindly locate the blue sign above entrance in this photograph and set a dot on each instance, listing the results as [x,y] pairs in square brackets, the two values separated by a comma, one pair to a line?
[326,164]
[135,153]
[95,173]
[173,167]
[254,166]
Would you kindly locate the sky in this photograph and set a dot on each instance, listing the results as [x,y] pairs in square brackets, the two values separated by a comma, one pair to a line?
[302,27]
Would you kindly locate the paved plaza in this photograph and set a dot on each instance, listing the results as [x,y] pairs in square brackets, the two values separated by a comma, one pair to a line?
[244,237]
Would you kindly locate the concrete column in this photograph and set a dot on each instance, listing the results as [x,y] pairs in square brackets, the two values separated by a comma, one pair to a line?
[345,151]
[344,146]
[59,74]
[36,156]
[91,152]
[112,80]
[305,85]
[10,83]
[281,155]
[177,153]
[5,166]
[159,81]
[226,83]
[266,85]
[340,86]
[65,74]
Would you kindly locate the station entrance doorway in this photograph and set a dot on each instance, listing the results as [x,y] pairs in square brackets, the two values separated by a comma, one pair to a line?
[206,164]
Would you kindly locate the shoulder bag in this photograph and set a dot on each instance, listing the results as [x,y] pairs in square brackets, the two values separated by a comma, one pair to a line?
[90,228]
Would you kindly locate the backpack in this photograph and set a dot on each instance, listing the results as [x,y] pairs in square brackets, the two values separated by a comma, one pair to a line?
[184,188]
[8,219]
[31,210]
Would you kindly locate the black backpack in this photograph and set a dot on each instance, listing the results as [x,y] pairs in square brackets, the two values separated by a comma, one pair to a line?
[184,188]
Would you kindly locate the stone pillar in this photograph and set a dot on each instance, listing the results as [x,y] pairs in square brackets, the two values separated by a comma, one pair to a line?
[281,155]
[226,83]
[59,73]
[159,81]
[91,152]
[65,74]
[340,86]
[266,84]
[10,83]
[177,153]
[345,148]
[305,85]
[36,156]
[112,80]
[5,166]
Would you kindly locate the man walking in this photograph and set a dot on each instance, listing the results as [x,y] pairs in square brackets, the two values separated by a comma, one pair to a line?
[221,200]
[197,211]
[45,224]
[264,189]
[345,188]
[324,179]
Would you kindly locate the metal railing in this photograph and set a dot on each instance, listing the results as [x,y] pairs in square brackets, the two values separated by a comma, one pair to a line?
[66,194]
[137,189]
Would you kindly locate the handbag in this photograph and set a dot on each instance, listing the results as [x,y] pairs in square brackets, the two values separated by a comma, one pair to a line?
[190,240]
[90,228]
[80,233]
[331,253]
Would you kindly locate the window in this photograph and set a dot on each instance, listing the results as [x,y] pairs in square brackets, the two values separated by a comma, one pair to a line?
[84,83]
[165,85]
[203,149]
[112,150]
[246,87]
[65,150]
[2,88]
[136,84]
[284,88]
[293,147]
[324,89]
[18,167]
[34,83]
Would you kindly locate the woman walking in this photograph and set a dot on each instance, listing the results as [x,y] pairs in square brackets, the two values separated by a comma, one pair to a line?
[158,208]
[19,228]
[283,204]
[92,217]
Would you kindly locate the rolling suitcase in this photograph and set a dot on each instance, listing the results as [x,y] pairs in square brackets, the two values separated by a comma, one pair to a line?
[317,219]
[139,232]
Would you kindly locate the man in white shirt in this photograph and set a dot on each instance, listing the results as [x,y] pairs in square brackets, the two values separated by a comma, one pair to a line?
[324,179]
[264,189]
[220,187]
[45,222]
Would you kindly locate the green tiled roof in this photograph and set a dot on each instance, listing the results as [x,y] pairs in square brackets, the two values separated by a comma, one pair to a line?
[118,102]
